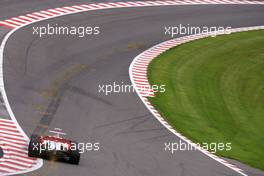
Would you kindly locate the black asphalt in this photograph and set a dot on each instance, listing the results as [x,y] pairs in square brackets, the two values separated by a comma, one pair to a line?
[53,82]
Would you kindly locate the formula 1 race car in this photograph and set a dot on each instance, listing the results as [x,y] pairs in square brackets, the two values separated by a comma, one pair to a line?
[54,148]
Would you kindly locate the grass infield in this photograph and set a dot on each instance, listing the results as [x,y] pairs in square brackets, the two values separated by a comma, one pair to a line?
[215,92]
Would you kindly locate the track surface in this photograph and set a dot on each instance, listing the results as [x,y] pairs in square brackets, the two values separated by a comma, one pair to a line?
[17,7]
[132,141]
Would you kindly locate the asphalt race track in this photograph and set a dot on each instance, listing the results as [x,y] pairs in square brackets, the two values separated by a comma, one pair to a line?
[53,82]
[17,7]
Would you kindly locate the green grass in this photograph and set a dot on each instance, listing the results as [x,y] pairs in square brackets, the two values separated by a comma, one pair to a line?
[215,92]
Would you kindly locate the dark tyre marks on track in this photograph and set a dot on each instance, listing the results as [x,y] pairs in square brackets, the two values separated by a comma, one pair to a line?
[56,93]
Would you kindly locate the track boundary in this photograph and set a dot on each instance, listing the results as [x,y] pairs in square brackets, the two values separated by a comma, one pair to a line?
[138,69]
[39,162]
[19,22]
[27,19]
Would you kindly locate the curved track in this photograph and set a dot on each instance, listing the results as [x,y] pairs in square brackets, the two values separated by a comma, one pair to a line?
[16,7]
[131,139]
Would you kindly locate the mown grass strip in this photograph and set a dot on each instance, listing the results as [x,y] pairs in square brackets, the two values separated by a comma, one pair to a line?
[215,92]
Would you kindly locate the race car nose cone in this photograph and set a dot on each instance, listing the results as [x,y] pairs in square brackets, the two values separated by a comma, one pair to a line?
[1,153]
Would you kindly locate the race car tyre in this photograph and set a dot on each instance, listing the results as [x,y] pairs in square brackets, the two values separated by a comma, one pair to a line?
[75,155]
[33,147]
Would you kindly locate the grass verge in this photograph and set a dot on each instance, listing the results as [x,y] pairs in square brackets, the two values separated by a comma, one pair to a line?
[215,92]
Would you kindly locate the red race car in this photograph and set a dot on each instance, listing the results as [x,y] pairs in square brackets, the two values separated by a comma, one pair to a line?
[54,148]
